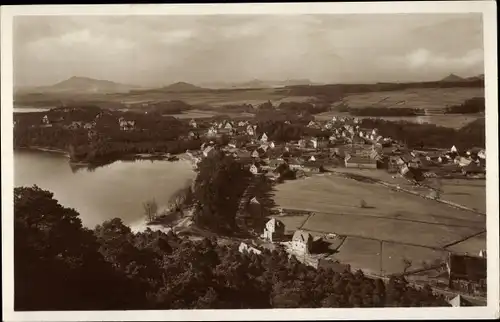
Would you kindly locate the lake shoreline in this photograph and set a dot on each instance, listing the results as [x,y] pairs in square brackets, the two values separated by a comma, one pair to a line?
[126,157]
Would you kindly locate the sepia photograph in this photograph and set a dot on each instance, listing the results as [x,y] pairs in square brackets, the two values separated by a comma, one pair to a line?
[221,160]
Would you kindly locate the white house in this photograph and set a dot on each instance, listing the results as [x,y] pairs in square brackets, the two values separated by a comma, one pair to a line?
[334,119]
[482,253]
[453,149]
[263,138]
[228,126]
[209,150]
[301,242]
[274,229]
[45,120]
[311,124]
[482,154]
[314,142]
[253,169]
[255,154]
[212,131]
[312,158]
[250,130]
[244,248]
[272,145]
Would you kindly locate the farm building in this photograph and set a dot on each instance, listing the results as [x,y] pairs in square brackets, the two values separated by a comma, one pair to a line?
[360,162]
[302,242]
[467,268]
[274,230]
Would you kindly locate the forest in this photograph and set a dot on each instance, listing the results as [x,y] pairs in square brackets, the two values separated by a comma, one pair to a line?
[61,265]
[470,106]
[430,135]
[153,133]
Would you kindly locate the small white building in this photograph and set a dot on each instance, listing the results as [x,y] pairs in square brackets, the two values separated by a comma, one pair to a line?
[274,230]
[45,120]
[302,242]
[208,151]
[253,169]
[263,138]
[453,149]
[272,145]
[314,142]
[312,158]
[245,249]
[212,131]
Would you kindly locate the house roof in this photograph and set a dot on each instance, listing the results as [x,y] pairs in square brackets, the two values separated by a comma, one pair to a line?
[470,267]
[301,236]
[276,223]
[458,301]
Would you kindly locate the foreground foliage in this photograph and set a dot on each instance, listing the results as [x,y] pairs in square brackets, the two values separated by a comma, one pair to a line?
[60,265]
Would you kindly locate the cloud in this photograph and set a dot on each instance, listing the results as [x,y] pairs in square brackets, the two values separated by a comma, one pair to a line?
[329,48]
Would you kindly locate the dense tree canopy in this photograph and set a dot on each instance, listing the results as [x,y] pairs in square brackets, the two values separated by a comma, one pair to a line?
[220,183]
[59,265]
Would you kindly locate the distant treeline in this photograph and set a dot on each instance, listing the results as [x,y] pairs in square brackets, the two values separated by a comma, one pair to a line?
[430,135]
[470,106]
[380,111]
[335,92]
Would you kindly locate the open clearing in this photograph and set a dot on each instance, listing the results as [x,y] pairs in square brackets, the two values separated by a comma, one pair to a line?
[427,98]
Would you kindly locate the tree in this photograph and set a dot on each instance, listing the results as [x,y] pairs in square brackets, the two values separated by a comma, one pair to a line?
[219,185]
[57,263]
[150,209]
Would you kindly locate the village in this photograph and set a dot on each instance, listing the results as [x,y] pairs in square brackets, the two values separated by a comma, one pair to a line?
[349,149]
[344,149]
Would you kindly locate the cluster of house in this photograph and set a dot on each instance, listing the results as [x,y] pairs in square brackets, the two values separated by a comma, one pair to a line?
[349,145]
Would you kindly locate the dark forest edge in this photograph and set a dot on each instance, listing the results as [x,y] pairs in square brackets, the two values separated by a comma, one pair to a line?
[60,265]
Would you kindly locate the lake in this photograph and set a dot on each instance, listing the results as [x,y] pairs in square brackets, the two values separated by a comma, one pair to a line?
[29,109]
[116,190]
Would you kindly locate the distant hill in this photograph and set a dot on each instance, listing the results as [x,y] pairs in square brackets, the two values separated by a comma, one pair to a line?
[475,78]
[453,78]
[182,87]
[257,83]
[80,85]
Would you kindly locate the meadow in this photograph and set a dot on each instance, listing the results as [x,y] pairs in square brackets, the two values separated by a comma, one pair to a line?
[426,98]
[407,226]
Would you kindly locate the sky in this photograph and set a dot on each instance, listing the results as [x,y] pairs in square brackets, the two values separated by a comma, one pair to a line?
[159,50]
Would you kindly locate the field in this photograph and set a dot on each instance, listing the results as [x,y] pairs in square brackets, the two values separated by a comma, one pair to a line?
[426,98]
[471,245]
[470,193]
[407,225]
[455,121]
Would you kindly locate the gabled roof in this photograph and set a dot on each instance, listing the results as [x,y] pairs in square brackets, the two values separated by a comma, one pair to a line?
[301,236]
[458,301]
[275,222]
